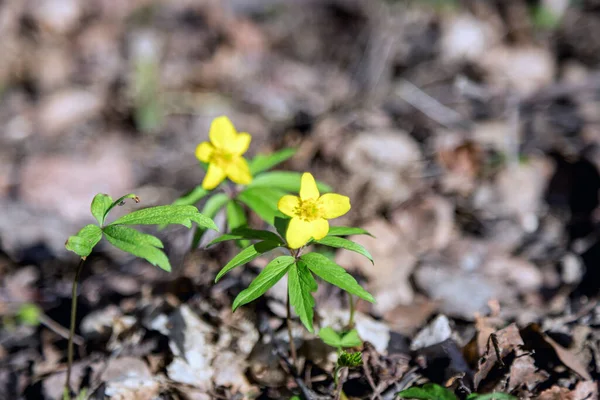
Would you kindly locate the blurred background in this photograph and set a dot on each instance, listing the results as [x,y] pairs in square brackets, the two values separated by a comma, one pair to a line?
[465,132]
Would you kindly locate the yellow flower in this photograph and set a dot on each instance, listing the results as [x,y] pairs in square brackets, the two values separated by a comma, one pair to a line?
[224,154]
[310,212]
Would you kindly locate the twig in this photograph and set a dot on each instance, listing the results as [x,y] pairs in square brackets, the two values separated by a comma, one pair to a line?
[59,329]
[369,377]
[429,106]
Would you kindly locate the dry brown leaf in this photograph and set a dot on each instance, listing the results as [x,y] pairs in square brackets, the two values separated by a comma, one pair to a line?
[586,390]
[568,358]
[524,373]
[507,340]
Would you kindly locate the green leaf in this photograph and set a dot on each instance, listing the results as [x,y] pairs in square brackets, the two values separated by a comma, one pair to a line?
[191,198]
[285,180]
[269,276]
[281,225]
[139,244]
[263,201]
[330,337]
[350,360]
[100,206]
[351,339]
[168,214]
[301,284]
[263,162]
[247,255]
[334,274]
[346,231]
[236,218]
[235,215]
[429,391]
[84,241]
[210,209]
[341,243]
[491,396]
[128,234]
[247,233]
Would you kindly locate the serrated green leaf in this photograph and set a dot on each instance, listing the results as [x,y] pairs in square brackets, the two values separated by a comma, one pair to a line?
[168,214]
[349,360]
[269,276]
[341,243]
[139,244]
[334,274]
[346,231]
[84,241]
[246,255]
[351,339]
[301,284]
[330,337]
[210,209]
[100,205]
[247,233]
[285,180]
[263,162]
[128,234]
[263,201]
[192,197]
[429,391]
[491,396]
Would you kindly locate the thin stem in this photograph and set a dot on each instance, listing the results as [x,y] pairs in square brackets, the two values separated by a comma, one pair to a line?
[352,310]
[72,328]
[289,329]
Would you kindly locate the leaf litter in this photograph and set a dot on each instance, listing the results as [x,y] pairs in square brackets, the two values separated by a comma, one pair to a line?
[463,135]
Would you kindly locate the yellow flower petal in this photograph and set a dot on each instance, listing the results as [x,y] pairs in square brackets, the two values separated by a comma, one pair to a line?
[319,228]
[239,144]
[222,132]
[288,204]
[204,151]
[238,171]
[214,176]
[308,187]
[334,205]
[298,233]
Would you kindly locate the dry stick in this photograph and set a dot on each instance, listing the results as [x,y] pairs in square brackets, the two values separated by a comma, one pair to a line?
[429,106]
[72,327]
[59,329]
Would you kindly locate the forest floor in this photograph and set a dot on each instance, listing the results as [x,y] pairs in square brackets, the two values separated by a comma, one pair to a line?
[465,133]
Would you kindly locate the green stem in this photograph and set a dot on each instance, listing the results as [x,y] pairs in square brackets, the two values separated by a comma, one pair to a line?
[72,327]
[352,311]
[289,329]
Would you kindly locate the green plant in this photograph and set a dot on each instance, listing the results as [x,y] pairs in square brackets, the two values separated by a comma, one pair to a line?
[255,187]
[307,223]
[119,234]
[432,391]
[340,341]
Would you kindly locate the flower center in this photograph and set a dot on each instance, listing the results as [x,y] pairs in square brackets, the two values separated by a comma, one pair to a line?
[308,210]
[221,158]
